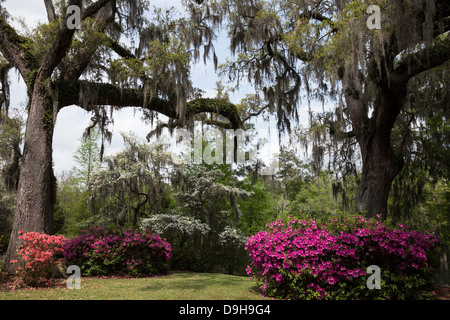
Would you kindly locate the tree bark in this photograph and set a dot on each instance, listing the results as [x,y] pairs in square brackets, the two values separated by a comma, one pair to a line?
[379,171]
[380,164]
[36,187]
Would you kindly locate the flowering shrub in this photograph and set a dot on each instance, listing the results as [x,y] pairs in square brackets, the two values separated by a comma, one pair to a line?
[185,235]
[328,260]
[41,253]
[118,252]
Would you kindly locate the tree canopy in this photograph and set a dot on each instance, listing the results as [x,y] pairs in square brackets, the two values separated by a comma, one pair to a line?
[369,75]
[388,86]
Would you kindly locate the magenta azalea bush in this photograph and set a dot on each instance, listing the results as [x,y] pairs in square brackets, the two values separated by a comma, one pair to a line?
[118,252]
[328,260]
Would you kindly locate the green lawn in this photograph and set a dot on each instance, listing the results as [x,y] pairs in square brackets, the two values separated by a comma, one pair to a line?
[177,286]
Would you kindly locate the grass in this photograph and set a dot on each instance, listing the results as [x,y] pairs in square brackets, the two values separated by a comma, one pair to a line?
[176,286]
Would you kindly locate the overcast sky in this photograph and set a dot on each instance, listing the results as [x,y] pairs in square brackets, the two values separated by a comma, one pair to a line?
[72,120]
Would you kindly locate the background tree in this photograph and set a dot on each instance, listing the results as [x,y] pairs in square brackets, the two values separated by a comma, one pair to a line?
[327,48]
[210,194]
[11,137]
[71,204]
[257,209]
[10,153]
[134,182]
[87,158]
[423,138]
[74,205]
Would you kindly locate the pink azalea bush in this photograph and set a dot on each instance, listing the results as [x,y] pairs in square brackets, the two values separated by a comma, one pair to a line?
[118,252]
[328,260]
[40,254]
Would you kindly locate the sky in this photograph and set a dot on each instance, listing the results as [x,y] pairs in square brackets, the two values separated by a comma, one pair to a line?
[72,121]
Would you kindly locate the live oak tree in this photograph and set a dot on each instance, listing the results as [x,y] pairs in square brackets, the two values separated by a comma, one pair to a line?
[64,65]
[331,50]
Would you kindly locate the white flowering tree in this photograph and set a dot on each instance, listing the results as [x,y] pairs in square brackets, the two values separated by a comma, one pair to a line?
[134,179]
[175,225]
[185,235]
[206,195]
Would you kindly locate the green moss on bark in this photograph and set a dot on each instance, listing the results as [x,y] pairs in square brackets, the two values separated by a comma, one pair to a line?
[24,44]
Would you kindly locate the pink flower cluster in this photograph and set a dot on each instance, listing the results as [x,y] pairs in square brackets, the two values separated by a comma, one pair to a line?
[40,253]
[100,252]
[305,257]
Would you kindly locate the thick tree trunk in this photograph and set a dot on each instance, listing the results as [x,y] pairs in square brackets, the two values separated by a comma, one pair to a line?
[380,163]
[35,197]
[380,167]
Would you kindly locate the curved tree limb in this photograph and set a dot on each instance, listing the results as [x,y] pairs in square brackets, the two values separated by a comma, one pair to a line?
[17,50]
[425,59]
[70,93]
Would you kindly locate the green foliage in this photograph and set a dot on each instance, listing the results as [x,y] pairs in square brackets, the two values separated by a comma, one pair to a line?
[3,243]
[71,206]
[319,199]
[433,212]
[118,251]
[257,209]
[11,137]
[87,159]
[232,249]
[419,194]
[10,154]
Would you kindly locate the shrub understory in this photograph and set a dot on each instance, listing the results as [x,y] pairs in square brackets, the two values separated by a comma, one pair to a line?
[118,252]
[329,259]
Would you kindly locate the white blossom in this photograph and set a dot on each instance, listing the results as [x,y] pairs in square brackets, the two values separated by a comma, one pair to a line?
[174,224]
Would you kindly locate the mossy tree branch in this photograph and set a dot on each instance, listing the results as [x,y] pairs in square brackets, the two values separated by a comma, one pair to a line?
[425,59]
[17,50]
[79,62]
[72,93]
